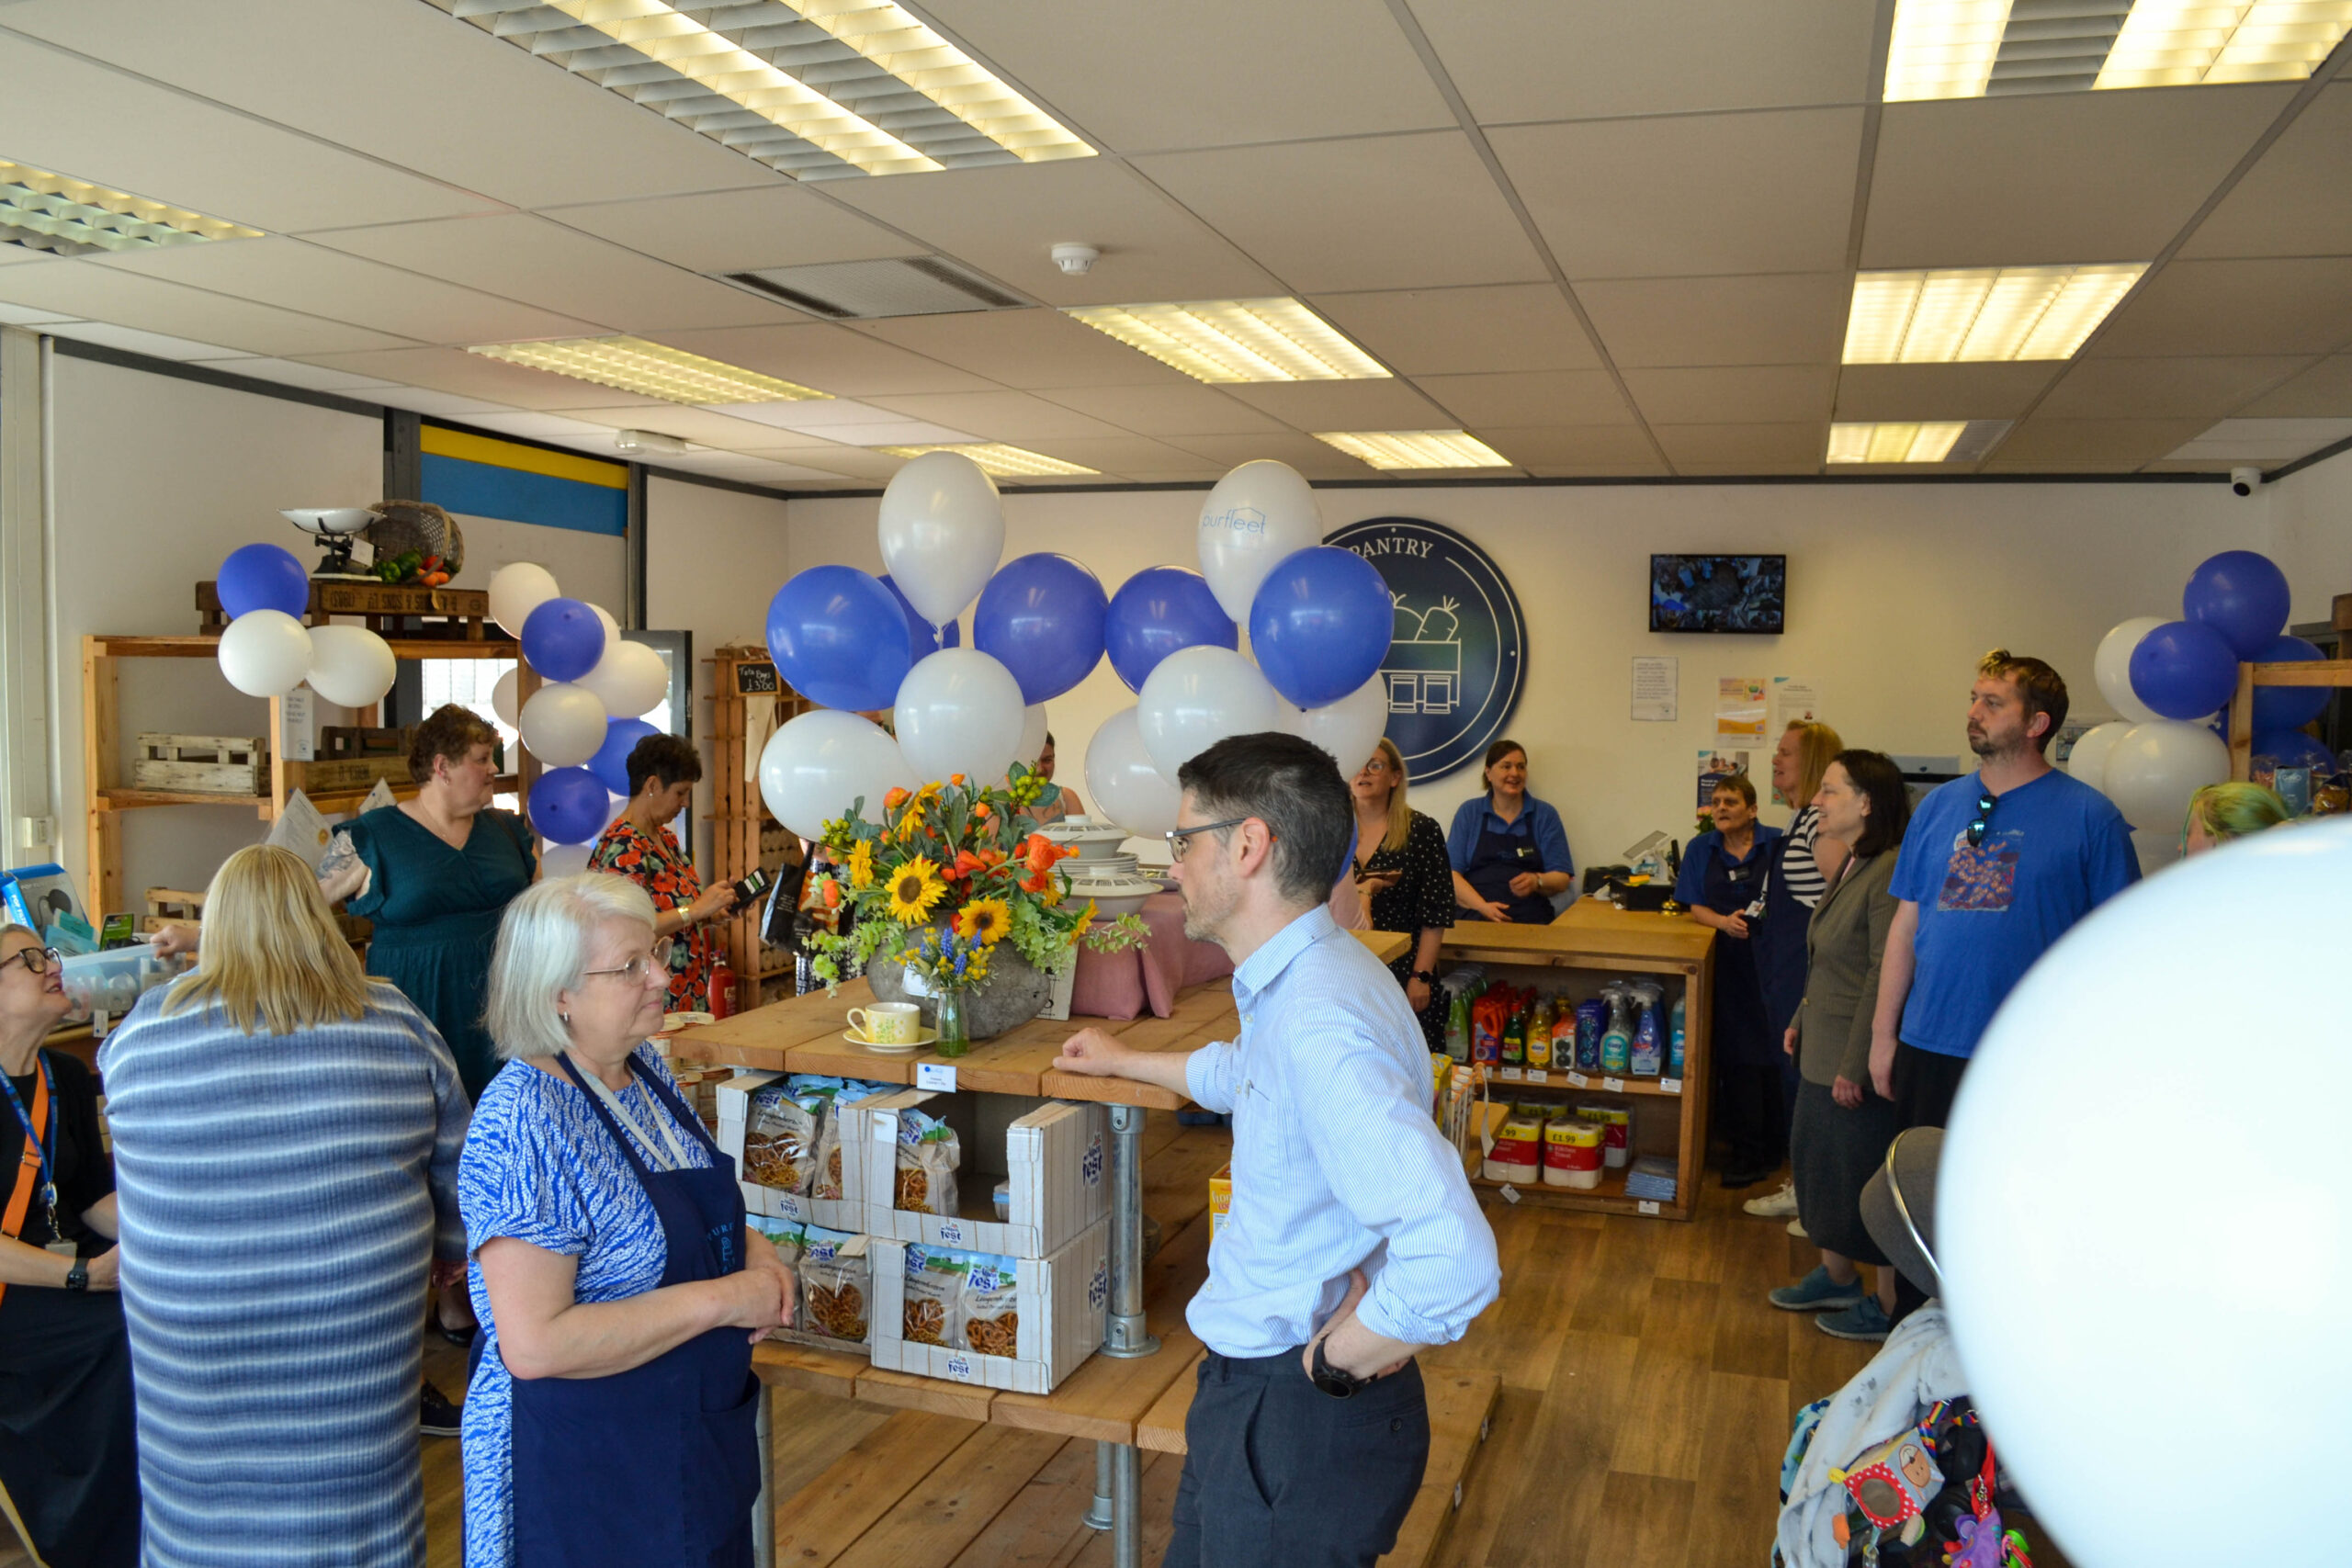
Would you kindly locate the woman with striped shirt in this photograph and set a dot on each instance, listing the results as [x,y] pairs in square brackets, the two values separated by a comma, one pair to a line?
[286,1140]
[1803,866]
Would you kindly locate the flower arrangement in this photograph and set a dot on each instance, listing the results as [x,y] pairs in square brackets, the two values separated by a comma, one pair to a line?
[950,874]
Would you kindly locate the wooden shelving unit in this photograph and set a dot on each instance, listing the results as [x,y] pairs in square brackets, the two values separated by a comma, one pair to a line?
[743,836]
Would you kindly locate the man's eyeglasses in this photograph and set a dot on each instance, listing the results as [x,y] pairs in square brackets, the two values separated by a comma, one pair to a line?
[37,960]
[1984,819]
[644,963]
[1182,839]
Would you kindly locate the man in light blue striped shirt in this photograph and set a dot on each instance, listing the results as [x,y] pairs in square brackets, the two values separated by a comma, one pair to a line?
[1353,1239]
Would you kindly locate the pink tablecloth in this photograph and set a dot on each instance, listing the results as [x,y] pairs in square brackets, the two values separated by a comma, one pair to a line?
[1121,985]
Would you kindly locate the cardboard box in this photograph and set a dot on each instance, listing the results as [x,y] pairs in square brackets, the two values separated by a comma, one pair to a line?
[1056,1153]
[1062,1302]
[732,1102]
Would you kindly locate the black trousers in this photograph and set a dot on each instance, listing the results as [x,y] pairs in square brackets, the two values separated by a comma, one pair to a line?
[1926,1083]
[1280,1475]
[1750,1116]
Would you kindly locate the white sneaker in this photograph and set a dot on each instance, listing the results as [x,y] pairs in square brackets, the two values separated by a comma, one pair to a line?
[1796,1229]
[1777,1205]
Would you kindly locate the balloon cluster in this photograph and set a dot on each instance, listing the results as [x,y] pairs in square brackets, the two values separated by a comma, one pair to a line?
[2168,678]
[582,722]
[1319,622]
[268,652]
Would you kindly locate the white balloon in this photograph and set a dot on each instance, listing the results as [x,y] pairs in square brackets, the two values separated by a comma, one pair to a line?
[2102,1065]
[2157,849]
[1349,728]
[825,761]
[2112,667]
[516,590]
[564,860]
[351,665]
[1124,784]
[629,680]
[942,532]
[959,711]
[1033,735]
[563,724]
[1256,514]
[1197,696]
[2088,761]
[612,627]
[502,701]
[266,654]
[2154,768]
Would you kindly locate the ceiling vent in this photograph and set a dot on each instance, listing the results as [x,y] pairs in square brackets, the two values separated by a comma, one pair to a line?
[872,290]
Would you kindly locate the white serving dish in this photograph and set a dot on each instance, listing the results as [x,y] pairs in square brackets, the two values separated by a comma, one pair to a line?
[1114,894]
[1093,841]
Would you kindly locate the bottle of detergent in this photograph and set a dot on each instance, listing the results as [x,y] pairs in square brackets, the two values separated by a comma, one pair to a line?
[1617,1039]
[1674,1040]
[1592,1022]
[1457,1027]
[1539,1034]
[1649,1031]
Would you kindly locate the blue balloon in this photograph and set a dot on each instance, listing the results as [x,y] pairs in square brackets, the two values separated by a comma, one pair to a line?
[841,639]
[570,806]
[263,577]
[2287,707]
[952,635]
[2294,748]
[1320,623]
[562,639]
[2184,670]
[1157,611]
[922,638]
[610,764]
[1041,617]
[2240,595]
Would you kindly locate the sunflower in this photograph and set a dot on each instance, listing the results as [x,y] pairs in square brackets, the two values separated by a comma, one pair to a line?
[984,921]
[861,866]
[913,888]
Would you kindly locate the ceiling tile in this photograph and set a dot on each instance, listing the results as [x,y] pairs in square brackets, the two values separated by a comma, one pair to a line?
[2237,307]
[1373,212]
[2158,388]
[520,257]
[2122,443]
[1784,319]
[817,422]
[2296,201]
[1137,74]
[999,415]
[1997,464]
[1120,455]
[130,340]
[1432,331]
[2054,176]
[1735,395]
[698,425]
[739,230]
[850,461]
[1005,218]
[1024,349]
[1528,398]
[440,405]
[303,277]
[2263,440]
[1714,447]
[829,358]
[1201,474]
[1941,391]
[1542,59]
[1701,194]
[899,432]
[1540,448]
[79,119]
[27,316]
[1753,469]
[2321,392]
[1306,454]
[1651,470]
[315,378]
[1185,408]
[18,255]
[79,290]
[1311,406]
[472,376]
[557,428]
[409,85]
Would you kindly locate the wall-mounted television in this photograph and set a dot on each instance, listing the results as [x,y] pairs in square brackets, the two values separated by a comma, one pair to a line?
[1743,595]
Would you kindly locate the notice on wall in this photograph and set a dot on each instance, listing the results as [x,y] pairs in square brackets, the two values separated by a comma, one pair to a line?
[1657,688]
[1795,700]
[1715,765]
[1740,708]
[298,735]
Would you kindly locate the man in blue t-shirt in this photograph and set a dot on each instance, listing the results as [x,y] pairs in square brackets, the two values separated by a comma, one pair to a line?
[1995,868]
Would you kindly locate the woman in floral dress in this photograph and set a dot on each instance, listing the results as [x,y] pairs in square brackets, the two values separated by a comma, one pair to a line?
[663,772]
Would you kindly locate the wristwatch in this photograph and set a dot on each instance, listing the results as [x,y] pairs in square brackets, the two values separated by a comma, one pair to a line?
[78,1277]
[1426,976]
[1332,1380]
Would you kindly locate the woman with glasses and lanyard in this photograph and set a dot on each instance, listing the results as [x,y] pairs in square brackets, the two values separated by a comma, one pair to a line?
[610,1419]
[69,1460]
[1720,876]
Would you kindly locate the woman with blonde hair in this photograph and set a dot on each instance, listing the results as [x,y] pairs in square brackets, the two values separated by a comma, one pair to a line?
[286,1140]
[1404,880]
[2220,812]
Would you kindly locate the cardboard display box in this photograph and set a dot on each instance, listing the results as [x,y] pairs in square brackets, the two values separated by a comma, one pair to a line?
[732,1101]
[1055,1154]
[1062,1300]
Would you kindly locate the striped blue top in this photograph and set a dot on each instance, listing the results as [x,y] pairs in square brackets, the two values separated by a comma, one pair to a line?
[280,1199]
[1336,1163]
[539,1167]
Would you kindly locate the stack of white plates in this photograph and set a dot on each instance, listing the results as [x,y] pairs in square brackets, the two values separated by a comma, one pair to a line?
[1115,885]
[1093,841]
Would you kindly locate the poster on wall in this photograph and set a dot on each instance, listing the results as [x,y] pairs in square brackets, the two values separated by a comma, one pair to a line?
[1458,655]
[1739,707]
[1657,688]
[1714,766]
[1795,700]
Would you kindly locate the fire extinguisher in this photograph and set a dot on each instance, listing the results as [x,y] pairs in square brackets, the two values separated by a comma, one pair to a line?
[722,992]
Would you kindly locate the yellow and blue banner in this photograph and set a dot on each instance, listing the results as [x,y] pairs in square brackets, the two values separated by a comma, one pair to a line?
[480,476]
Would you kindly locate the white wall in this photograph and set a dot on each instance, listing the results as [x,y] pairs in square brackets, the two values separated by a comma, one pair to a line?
[1895,590]
[2310,534]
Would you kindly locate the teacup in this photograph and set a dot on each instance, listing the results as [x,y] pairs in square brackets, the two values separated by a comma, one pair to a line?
[887,1023]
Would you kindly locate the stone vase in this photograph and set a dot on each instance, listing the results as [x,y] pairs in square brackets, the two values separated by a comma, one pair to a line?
[1016,992]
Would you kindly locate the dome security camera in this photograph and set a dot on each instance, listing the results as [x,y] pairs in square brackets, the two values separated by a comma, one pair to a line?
[2245,481]
[1075,259]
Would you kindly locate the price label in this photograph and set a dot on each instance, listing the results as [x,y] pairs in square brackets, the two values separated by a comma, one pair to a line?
[1537,1074]
[1511,1193]
[1646,1206]
[1669,1086]
[1578,1080]
[939,1075]
[1615,1086]
[1510,1075]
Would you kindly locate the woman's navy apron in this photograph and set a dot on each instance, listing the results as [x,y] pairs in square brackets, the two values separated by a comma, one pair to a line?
[1782,962]
[1742,1036]
[1498,857]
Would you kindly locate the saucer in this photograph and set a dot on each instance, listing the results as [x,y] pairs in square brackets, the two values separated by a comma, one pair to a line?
[927,1037]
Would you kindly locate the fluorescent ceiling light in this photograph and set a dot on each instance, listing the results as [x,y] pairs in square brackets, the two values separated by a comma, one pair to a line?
[1970,314]
[1894,443]
[45,211]
[1965,48]
[894,39]
[1943,49]
[1236,340]
[2173,44]
[634,364]
[996,458]
[1415,448]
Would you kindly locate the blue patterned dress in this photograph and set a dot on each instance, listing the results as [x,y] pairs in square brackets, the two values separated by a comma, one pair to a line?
[540,1167]
[280,1198]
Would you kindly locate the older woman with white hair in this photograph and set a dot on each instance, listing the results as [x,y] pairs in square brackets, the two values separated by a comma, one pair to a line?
[610,1419]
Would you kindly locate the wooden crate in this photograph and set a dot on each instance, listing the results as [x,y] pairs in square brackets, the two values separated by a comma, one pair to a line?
[409,612]
[202,764]
[353,758]
[173,904]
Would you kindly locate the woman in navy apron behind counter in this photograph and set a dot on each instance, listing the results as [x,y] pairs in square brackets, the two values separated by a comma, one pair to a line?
[1720,876]
[610,1419]
[1511,854]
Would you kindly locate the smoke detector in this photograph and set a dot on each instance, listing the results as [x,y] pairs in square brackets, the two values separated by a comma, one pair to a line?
[1075,259]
